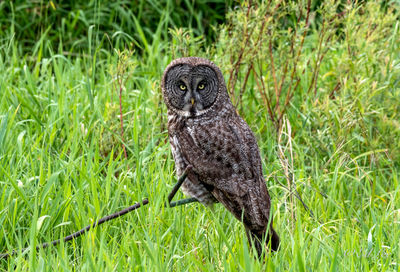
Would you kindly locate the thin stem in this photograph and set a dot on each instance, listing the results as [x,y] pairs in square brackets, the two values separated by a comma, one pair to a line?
[244,84]
[273,74]
[264,95]
[120,117]
[235,71]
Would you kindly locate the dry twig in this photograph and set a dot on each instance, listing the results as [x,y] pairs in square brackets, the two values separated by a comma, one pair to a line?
[112,216]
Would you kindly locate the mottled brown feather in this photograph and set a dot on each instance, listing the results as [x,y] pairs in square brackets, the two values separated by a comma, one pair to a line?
[225,157]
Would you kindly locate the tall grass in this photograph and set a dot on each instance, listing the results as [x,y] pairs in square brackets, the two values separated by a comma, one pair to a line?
[66,25]
[336,148]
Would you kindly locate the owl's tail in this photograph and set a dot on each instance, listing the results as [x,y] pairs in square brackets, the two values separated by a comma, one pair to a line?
[257,237]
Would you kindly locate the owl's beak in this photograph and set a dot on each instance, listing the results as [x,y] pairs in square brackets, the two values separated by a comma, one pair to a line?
[192,100]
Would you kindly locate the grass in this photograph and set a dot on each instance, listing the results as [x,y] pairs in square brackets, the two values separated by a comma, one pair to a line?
[62,165]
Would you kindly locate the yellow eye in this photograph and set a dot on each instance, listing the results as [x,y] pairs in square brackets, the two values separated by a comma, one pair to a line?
[201,86]
[182,87]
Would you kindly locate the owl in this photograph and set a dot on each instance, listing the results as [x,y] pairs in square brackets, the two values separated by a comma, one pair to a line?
[206,132]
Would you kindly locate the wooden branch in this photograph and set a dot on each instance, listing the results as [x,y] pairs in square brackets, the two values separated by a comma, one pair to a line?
[82,231]
[182,202]
[113,216]
[179,183]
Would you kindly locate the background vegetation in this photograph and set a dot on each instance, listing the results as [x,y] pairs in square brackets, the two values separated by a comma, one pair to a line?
[317,81]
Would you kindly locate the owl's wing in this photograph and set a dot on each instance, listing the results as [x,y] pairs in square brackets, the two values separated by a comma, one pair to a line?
[225,155]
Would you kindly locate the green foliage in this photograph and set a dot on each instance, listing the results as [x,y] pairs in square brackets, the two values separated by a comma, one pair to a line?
[334,145]
[65,25]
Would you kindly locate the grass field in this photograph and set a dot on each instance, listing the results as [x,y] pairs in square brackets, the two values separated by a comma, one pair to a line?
[330,137]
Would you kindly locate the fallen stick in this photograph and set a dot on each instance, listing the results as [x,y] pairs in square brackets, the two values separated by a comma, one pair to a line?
[113,216]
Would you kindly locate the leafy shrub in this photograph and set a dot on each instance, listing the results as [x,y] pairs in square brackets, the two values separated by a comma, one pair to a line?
[336,79]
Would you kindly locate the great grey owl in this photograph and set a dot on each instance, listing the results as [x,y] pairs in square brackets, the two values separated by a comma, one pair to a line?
[206,132]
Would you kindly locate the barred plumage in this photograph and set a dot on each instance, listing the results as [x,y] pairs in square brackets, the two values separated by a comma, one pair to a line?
[206,132]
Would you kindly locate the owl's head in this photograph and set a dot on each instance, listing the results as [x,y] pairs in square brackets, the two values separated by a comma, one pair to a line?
[192,86]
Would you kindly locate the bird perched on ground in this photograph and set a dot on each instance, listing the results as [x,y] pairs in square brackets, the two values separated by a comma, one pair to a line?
[206,132]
